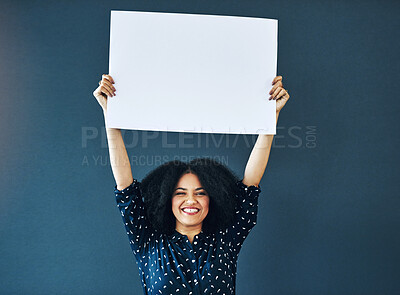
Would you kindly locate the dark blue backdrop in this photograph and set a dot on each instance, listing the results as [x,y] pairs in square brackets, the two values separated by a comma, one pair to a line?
[328,218]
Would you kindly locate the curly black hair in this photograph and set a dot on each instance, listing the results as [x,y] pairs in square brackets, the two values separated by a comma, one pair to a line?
[217,179]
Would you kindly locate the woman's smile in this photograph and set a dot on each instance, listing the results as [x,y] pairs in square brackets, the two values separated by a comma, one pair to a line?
[190,210]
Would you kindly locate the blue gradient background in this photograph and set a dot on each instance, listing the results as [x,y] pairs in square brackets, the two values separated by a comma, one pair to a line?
[328,218]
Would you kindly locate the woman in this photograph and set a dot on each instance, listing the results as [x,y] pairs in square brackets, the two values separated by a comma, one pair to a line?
[186,222]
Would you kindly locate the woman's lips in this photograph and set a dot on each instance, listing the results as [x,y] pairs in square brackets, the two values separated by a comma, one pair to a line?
[190,210]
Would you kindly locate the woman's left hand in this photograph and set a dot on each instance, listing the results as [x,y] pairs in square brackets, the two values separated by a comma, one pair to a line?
[279,93]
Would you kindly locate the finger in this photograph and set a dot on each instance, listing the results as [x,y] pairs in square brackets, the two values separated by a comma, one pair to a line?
[106,91]
[280,94]
[276,79]
[275,86]
[107,86]
[108,77]
[108,83]
[106,80]
[277,90]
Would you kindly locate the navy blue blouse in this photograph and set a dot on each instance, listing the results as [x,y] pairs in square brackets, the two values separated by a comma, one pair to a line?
[170,264]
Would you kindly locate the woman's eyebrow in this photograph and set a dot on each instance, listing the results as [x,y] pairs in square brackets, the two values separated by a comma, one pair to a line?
[199,188]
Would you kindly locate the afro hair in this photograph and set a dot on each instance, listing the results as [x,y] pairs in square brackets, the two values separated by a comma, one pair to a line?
[217,179]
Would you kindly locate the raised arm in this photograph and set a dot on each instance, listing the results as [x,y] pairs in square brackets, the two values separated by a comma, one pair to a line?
[258,159]
[119,159]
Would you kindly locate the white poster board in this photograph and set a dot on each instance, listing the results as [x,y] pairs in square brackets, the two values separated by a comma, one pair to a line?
[192,73]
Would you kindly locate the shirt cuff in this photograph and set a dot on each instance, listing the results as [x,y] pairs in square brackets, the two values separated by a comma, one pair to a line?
[251,191]
[129,189]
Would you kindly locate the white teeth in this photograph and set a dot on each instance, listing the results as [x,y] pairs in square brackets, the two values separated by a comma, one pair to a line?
[191,210]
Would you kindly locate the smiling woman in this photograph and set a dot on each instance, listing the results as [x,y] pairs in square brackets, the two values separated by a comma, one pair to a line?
[206,220]
[186,222]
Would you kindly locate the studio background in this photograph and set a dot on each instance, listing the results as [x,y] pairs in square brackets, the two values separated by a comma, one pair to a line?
[328,220]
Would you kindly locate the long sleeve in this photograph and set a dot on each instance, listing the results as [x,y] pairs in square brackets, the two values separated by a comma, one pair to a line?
[245,217]
[130,204]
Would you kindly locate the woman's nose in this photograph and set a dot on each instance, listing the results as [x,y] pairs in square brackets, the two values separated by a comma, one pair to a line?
[190,199]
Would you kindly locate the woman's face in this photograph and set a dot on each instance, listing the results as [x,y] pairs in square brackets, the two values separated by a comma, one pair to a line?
[189,202]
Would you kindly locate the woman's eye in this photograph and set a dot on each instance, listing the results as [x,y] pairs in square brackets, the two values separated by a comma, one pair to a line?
[202,194]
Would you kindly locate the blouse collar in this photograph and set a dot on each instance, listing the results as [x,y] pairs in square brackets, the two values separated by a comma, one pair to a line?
[176,236]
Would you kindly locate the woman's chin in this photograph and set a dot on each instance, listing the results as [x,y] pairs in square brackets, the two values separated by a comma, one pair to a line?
[190,221]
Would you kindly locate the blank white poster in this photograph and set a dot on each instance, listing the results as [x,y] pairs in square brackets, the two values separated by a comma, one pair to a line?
[192,73]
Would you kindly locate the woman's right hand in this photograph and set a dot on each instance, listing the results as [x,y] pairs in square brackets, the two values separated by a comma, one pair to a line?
[105,90]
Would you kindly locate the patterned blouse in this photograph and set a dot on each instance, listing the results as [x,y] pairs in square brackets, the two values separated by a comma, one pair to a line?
[170,264]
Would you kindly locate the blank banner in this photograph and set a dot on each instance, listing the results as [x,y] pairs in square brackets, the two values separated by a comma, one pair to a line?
[192,73]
